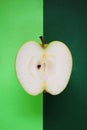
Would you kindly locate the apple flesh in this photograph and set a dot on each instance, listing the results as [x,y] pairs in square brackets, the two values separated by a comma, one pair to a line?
[44,68]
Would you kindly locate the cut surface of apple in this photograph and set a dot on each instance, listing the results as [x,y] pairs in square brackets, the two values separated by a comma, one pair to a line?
[44,68]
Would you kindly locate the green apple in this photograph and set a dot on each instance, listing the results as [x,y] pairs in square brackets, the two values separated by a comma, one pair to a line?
[44,68]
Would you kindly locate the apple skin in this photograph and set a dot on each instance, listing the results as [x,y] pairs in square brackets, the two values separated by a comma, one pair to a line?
[52,86]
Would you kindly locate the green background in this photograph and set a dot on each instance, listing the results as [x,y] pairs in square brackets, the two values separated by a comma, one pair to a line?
[66,20]
[20,21]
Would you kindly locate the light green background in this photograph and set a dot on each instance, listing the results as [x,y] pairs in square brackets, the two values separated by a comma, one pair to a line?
[20,21]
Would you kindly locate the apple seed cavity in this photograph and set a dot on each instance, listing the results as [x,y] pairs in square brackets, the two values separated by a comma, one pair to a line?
[38,66]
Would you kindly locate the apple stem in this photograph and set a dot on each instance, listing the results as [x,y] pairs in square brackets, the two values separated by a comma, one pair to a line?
[42,41]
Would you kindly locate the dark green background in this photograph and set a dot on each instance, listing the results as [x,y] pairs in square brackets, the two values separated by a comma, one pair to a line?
[66,21]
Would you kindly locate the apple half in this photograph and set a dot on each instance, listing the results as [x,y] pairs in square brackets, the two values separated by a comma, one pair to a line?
[44,68]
